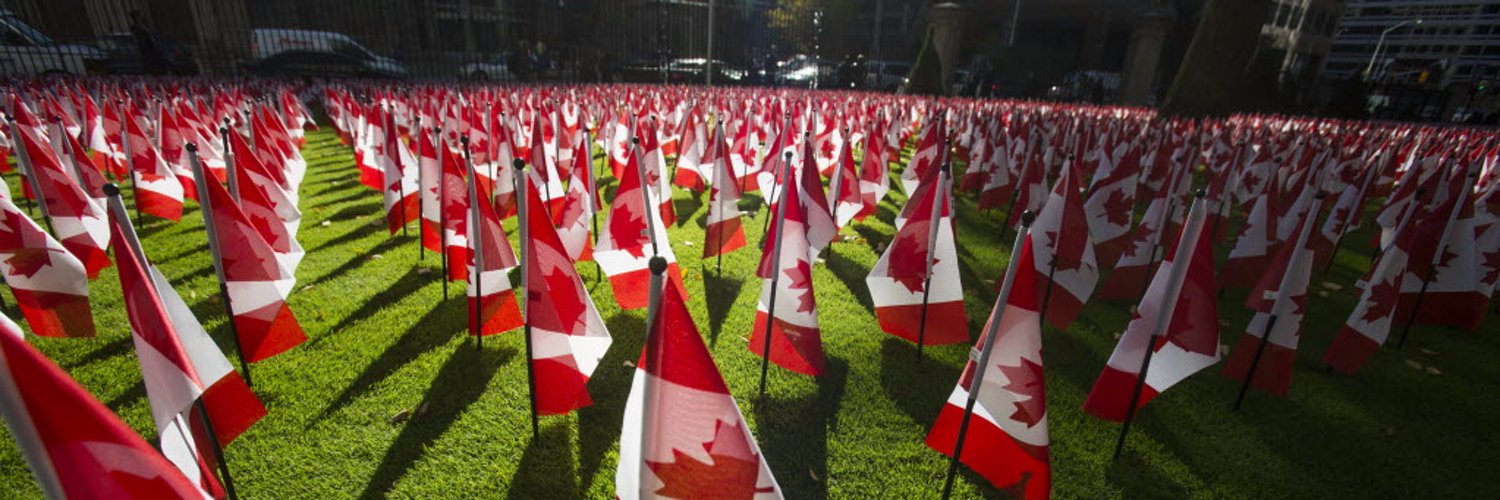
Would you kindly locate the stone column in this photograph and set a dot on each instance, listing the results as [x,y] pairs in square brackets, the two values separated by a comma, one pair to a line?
[946,19]
[1144,54]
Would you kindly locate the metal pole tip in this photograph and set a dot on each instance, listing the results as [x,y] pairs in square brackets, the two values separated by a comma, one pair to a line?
[1027,218]
[111,189]
[658,265]
[518,163]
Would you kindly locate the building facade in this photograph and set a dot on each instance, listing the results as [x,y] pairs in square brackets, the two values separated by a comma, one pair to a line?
[1438,43]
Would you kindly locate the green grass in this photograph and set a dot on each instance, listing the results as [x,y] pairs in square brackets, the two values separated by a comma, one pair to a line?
[383,340]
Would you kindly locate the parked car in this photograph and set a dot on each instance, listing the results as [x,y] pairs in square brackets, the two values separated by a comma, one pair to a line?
[24,51]
[497,68]
[288,52]
[887,76]
[681,71]
[803,70]
[123,56]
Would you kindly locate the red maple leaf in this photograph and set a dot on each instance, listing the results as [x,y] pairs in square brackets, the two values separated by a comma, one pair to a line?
[801,279]
[1117,208]
[826,149]
[1026,382]
[1382,301]
[1492,261]
[1447,257]
[733,473]
[570,212]
[27,261]
[627,226]
[1250,180]
[1142,236]
[565,296]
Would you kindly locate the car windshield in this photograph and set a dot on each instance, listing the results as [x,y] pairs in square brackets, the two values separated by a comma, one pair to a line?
[26,31]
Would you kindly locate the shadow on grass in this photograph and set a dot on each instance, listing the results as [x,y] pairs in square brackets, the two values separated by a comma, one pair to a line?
[357,261]
[460,383]
[719,296]
[686,208]
[357,212]
[546,467]
[351,195]
[408,283]
[116,347]
[599,423]
[853,275]
[793,433]
[875,238]
[136,392]
[919,390]
[432,330]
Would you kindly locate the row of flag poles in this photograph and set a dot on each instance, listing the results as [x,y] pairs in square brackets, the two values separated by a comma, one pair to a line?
[458,161]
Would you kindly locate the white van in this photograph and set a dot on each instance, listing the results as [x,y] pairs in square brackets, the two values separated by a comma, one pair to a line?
[24,51]
[269,43]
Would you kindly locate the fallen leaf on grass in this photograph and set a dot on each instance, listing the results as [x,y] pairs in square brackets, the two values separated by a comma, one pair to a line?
[1434,370]
[400,416]
[326,223]
[1413,364]
[1332,286]
[629,364]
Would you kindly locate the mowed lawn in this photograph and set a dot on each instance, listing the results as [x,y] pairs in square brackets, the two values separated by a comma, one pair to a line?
[1418,423]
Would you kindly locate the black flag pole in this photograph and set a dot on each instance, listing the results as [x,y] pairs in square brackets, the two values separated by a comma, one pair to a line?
[117,210]
[934,220]
[442,217]
[1282,300]
[653,360]
[476,250]
[780,215]
[23,159]
[522,184]
[216,254]
[1437,257]
[1163,315]
[982,356]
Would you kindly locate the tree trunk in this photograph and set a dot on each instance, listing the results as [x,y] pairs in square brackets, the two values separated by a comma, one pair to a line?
[1211,79]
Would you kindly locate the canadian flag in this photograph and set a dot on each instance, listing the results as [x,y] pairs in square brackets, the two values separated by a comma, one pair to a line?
[723,232]
[568,336]
[654,172]
[1253,248]
[157,190]
[1006,438]
[786,309]
[429,185]
[1446,263]
[543,157]
[1370,322]
[492,297]
[1064,251]
[571,218]
[692,168]
[929,155]
[81,225]
[1031,186]
[629,239]
[1132,269]
[1278,301]
[921,266]
[1111,205]
[455,203]
[169,361]
[874,182]
[263,200]
[104,140]
[683,435]
[80,168]
[258,285]
[75,447]
[399,168]
[50,285]
[1177,319]
[844,199]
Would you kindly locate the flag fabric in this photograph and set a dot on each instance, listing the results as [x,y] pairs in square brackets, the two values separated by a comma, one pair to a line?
[571,218]
[50,285]
[1111,205]
[1370,322]
[1448,261]
[429,186]
[263,200]
[1132,270]
[903,278]
[399,169]
[844,198]
[929,154]
[492,297]
[1006,441]
[568,336]
[258,285]
[1281,294]
[74,446]
[683,434]
[1254,247]
[1064,251]
[628,240]
[158,192]
[455,215]
[724,231]
[874,182]
[786,272]
[80,224]
[1184,295]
